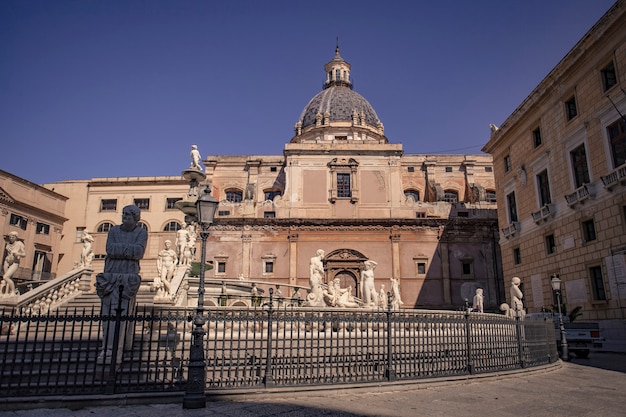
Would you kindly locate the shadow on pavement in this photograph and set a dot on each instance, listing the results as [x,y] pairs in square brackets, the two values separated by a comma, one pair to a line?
[603,360]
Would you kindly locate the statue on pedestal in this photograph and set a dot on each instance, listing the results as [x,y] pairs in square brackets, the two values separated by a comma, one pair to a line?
[125,247]
[166,266]
[316,277]
[368,292]
[396,300]
[516,297]
[86,255]
[477,304]
[195,158]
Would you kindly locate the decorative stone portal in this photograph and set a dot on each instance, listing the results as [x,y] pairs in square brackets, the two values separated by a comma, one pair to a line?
[345,264]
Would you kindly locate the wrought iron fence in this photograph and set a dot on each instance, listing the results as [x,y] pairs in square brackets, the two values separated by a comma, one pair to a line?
[258,347]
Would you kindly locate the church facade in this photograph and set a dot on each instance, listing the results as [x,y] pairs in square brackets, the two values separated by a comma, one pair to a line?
[427,220]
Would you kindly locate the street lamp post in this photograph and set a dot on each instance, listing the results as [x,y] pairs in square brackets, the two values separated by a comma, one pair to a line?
[196,374]
[556,287]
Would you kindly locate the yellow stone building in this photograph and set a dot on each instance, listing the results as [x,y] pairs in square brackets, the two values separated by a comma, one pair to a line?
[37,215]
[560,169]
[340,186]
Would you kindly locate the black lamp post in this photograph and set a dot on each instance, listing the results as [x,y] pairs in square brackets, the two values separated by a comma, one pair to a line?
[556,287]
[196,373]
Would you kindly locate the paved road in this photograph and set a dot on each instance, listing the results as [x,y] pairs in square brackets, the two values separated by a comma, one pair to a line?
[583,387]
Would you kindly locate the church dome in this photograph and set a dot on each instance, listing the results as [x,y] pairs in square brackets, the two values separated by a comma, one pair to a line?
[341,103]
[337,104]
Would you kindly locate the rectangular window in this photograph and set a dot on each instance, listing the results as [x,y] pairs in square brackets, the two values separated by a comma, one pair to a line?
[579,166]
[273,169]
[617,141]
[343,185]
[79,235]
[488,169]
[543,185]
[550,244]
[421,268]
[570,108]
[410,169]
[42,229]
[507,163]
[420,215]
[490,196]
[221,267]
[108,204]
[269,214]
[448,169]
[223,213]
[537,137]
[269,267]
[170,203]
[18,221]
[589,230]
[517,256]
[341,138]
[234,196]
[271,195]
[597,283]
[142,203]
[512,207]
[466,267]
[609,76]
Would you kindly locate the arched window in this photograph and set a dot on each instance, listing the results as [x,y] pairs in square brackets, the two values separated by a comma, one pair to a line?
[412,193]
[144,225]
[234,196]
[104,227]
[450,196]
[490,196]
[172,226]
[271,194]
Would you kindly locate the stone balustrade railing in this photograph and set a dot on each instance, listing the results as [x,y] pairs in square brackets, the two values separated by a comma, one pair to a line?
[50,295]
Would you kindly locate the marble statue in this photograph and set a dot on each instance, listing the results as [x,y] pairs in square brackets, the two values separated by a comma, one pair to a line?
[188,253]
[15,251]
[86,255]
[477,304]
[516,297]
[182,238]
[335,296]
[368,292]
[396,300]
[316,277]
[166,266]
[195,158]
[191,229]
[382,297]
[125,247]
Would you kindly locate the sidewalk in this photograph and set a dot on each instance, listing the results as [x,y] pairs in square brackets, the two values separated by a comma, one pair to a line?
[583,387]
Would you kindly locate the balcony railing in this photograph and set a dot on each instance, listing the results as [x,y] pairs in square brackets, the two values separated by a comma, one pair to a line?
[544,213]
[581,194]
[511,230]
[618,175]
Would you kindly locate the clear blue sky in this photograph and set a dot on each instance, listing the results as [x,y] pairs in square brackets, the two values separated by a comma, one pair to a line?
[124,88]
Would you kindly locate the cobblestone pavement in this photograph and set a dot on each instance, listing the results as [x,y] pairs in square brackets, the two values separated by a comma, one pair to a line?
[582,387]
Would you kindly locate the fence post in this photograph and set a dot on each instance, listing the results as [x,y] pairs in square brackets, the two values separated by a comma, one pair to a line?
[267,380]
[468,341]
[112,377]
[390,373]
[518,331]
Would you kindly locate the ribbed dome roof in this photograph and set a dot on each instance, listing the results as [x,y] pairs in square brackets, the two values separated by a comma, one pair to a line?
[340,103]
[337,102]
